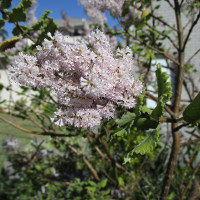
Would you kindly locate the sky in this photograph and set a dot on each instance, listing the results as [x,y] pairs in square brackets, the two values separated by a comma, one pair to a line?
[72,7]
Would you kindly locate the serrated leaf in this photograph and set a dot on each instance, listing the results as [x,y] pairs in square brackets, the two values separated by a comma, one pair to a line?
[148,144]
[145,124]
[140,99]
[120,133]
[18,13]
[16,31]
[164,93]
[144,109]
[40,22]
[48,26]
[5,4]
[103,183]
[192,112]
[126,118]
[2,22]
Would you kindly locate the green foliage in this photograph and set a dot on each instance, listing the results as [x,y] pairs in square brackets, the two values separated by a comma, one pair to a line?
[18,13]
[120,133]
[192,112]
[145,124]
[121,181]
[1,86]
[2,22]
[41,21]
[60,173]
[16,31]
[48,26]
[4,4]
[45,24]
[8,43]
[146,146]
[126,118]
[164,93]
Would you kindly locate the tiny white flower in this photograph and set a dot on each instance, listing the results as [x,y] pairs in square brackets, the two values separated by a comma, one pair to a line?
[60,122]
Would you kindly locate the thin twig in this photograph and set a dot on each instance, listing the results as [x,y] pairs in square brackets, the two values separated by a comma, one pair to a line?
[190,30]
[89,165]
[163,22]
[191,178]
[188,61]
[190,142]
[187,90]
[173,43]
[181,126]
[187,167]
[35,132]
[170,4]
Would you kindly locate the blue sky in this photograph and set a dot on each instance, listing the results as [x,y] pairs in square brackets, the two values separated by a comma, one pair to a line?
[72,7]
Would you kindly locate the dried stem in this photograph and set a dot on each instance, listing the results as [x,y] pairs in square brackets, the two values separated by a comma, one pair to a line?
[52,134]
[190,142]
[89,165]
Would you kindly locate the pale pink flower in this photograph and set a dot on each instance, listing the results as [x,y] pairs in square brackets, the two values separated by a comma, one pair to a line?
[88,78]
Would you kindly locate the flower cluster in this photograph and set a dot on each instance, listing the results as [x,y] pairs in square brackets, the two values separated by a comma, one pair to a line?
[114,6]
[89,79]
[96,15]
[95,9]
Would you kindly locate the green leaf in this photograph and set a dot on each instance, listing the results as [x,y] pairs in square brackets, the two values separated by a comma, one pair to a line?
[40,22]
[48,26]
[5,4]
[38,167]
[164,93]
[127,160]
[91,189]
[158,6]
[147,144]
[2,22]
[16,31]
[106,192]
[120,133]
[121,181]
[192,112]
[145,124]
[140,99]
[3,101]
[103,183]
[18,13]
[92,183]
[144,109]
[126,118]
[1,86]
